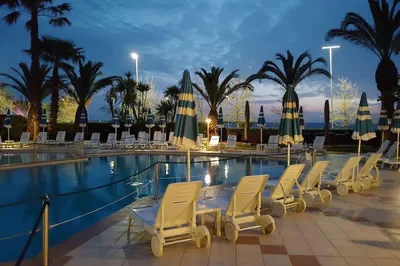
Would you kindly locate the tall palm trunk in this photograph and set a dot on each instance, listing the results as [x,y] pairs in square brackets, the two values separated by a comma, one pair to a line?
[55,94]
[386,77]
[213,115]
[33,123]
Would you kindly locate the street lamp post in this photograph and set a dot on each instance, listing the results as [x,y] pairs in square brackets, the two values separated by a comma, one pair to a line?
[135,56]
[330,71]
[208,120]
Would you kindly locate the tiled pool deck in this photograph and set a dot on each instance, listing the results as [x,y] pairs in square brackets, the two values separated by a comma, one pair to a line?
[355,230]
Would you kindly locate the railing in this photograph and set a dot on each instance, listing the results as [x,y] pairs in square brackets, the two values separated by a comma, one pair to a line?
[44,211]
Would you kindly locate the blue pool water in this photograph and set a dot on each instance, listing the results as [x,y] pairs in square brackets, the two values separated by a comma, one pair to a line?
[30,183]
[19,158]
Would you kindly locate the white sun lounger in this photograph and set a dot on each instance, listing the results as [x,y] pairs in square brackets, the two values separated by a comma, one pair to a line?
[142,141]
[200,141]
[174,220]
[160,141]
[280,198]
[318,144]
[365,175]
[272,145]
[170,138]
[24,140]
[214,142]
[111,141]
[382,149]
[243,208]
[94,141]
[128,142]
[42,138]
[389,157]
[311,185]
[124,134]
[346,178]
[231,142]
[60,139]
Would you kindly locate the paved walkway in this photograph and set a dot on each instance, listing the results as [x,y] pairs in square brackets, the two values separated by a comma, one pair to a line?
[355,230]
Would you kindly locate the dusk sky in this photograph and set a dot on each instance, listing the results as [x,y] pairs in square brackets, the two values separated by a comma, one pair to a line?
[173,35]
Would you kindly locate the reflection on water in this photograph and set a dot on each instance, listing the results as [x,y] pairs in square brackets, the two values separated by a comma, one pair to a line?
[30,157]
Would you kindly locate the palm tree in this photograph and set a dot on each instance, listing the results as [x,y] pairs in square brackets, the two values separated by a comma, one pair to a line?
[166,108]
[111,101]
[127,87]
[85,84]
[214,92]
[23,83]
[382,38]
[293,72]
[36,9]
[143,88]
[172,93]
[58,53]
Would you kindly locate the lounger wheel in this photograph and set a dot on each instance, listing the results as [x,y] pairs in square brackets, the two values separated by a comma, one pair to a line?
[342,190]
[377,182]
[231,232]
[205,238]
[301,205]
[326,196]
[267,224]
[366,183]
[278,209]
[157,245]
[358,187]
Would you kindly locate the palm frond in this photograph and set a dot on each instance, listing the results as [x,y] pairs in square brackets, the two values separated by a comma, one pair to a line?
[12,18]
[60,22]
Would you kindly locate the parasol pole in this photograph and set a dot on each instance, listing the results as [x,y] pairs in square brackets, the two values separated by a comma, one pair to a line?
[288,154]
[397,146]
[8,133]
[359,146]
[261,136]
[188,165]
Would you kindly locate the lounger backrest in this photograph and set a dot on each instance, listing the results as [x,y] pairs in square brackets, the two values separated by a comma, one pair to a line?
[392,151]
[78,136]
[297,145]
[157,135]
[142,137]
[369,164]
[178,205]
[25,137]
[199,139]
[171,136]
[163,137]
[129,139]
[60,136]
[287,181]
[214,141]
[124,134]
[273,140]
[314,175]
[231,141]
[95,138]
[383,147]
[319,142]
[42,137]
[247,195]
[111,138]
[346,173]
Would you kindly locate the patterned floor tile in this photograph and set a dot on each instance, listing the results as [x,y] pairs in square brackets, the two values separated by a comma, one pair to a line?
[270,249]
[248,240]
[300,260]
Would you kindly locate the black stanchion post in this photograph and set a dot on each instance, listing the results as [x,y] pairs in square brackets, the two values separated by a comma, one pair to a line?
[156,182]
[45,218]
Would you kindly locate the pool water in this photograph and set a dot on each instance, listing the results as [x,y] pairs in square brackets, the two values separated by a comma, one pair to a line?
[32,183]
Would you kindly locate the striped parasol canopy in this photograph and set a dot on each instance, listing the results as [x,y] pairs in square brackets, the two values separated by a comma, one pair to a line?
[7,120]
[115,121]
[43,119]
[163,124]
[363,126]
[289,128]
[301,118]
[186,128]
[383,123]
[395,126]
[128,120]
[220,119]
[261,118]
[149,119]
[82,118]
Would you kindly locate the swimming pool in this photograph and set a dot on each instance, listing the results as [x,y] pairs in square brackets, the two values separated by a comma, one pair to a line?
[31,183]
